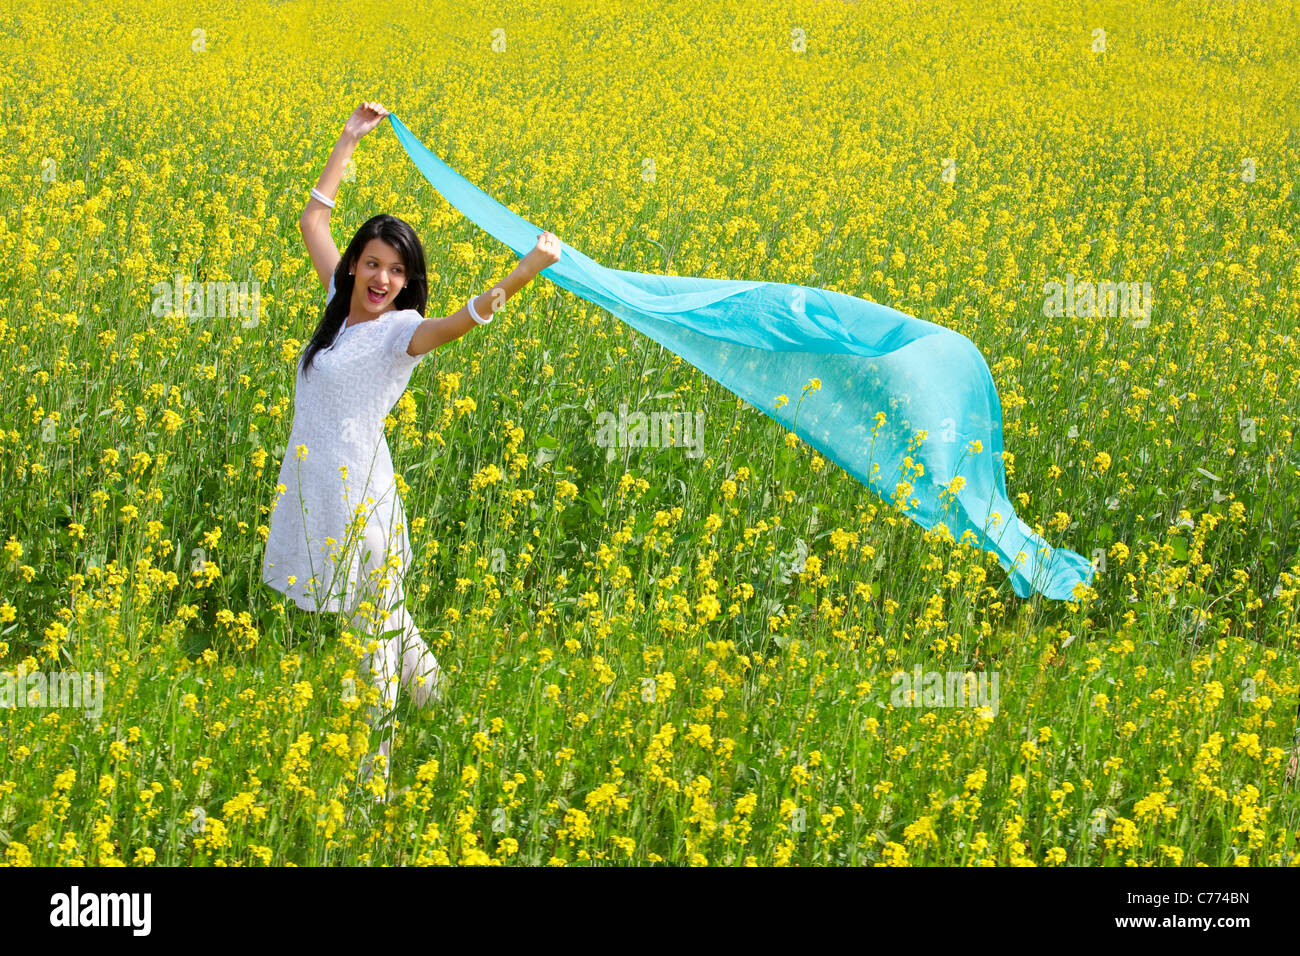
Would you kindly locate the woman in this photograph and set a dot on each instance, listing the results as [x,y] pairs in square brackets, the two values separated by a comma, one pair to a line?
[338,539]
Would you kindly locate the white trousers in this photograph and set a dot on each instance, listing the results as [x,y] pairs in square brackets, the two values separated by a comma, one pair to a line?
[401,657]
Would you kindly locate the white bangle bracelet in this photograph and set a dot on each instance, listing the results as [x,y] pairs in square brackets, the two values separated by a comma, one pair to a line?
[474,315]
[318,195]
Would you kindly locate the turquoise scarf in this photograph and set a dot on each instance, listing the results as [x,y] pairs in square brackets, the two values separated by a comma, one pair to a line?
[939,413]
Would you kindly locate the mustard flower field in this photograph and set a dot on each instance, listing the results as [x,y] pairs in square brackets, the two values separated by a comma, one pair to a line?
[740,657]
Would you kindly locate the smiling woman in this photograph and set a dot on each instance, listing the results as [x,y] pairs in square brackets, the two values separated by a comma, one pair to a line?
[382,271]
[338,536]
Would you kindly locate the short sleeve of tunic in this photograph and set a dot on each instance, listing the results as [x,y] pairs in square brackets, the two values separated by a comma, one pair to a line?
[401,326]
[330,294]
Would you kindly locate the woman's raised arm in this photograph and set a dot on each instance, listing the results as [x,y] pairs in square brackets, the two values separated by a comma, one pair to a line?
[433,332]
[314,223]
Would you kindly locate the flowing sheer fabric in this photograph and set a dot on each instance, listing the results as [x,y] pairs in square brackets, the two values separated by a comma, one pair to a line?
[941,414]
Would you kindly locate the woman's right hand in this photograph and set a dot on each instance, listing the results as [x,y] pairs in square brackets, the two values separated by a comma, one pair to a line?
[363,119]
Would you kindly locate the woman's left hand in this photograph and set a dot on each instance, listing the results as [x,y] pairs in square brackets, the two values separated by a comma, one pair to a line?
[545,253]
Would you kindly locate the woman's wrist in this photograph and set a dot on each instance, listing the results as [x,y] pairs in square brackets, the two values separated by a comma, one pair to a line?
[476,313]
[527,270]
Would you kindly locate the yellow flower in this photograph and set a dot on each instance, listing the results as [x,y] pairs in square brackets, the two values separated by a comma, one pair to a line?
[1247,744]
[921,832]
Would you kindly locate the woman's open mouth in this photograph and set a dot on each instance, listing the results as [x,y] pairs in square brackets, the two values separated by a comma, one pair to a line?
[376,297]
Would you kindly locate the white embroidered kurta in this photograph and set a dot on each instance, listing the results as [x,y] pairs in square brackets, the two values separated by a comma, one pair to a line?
[338,414]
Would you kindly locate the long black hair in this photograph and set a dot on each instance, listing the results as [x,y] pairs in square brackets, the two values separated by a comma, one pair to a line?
[414,293]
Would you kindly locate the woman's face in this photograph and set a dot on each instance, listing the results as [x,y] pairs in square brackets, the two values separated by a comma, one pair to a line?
[380,274]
